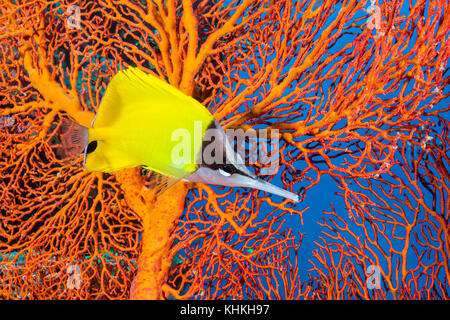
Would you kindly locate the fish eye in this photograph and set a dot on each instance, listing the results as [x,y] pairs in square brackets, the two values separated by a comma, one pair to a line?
[227,170]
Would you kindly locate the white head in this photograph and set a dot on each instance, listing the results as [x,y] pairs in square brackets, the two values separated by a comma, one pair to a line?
[232,172]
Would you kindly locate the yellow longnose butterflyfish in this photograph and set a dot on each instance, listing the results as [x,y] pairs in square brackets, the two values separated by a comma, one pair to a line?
[136,123]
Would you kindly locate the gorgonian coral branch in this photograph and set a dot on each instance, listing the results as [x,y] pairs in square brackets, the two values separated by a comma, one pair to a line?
[346,90]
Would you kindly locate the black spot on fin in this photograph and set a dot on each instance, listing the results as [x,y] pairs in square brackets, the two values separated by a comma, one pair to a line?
[91,147]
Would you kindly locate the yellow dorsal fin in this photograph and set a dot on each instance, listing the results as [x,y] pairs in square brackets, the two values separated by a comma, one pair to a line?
[130,86]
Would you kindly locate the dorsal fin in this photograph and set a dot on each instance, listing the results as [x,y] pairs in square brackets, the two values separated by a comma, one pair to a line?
[130,86]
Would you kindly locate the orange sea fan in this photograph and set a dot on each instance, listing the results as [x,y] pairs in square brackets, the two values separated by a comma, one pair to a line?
[346,99]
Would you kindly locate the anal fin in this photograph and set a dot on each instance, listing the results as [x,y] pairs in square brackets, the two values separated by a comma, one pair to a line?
[158,182]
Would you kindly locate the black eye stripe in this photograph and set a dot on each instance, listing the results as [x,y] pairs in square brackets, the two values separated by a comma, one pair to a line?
[224,163]
[233,170]
[228,168]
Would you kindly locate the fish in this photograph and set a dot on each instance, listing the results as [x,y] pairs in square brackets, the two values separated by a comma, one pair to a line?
[140,122]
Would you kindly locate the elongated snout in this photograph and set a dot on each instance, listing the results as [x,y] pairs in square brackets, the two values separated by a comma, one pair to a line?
[209,176]
[257,183]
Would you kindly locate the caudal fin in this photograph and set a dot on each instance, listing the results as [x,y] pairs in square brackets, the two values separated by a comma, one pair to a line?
[73,137]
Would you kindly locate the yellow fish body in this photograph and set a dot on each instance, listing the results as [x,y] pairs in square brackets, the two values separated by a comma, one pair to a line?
[135,126]
[135,123]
